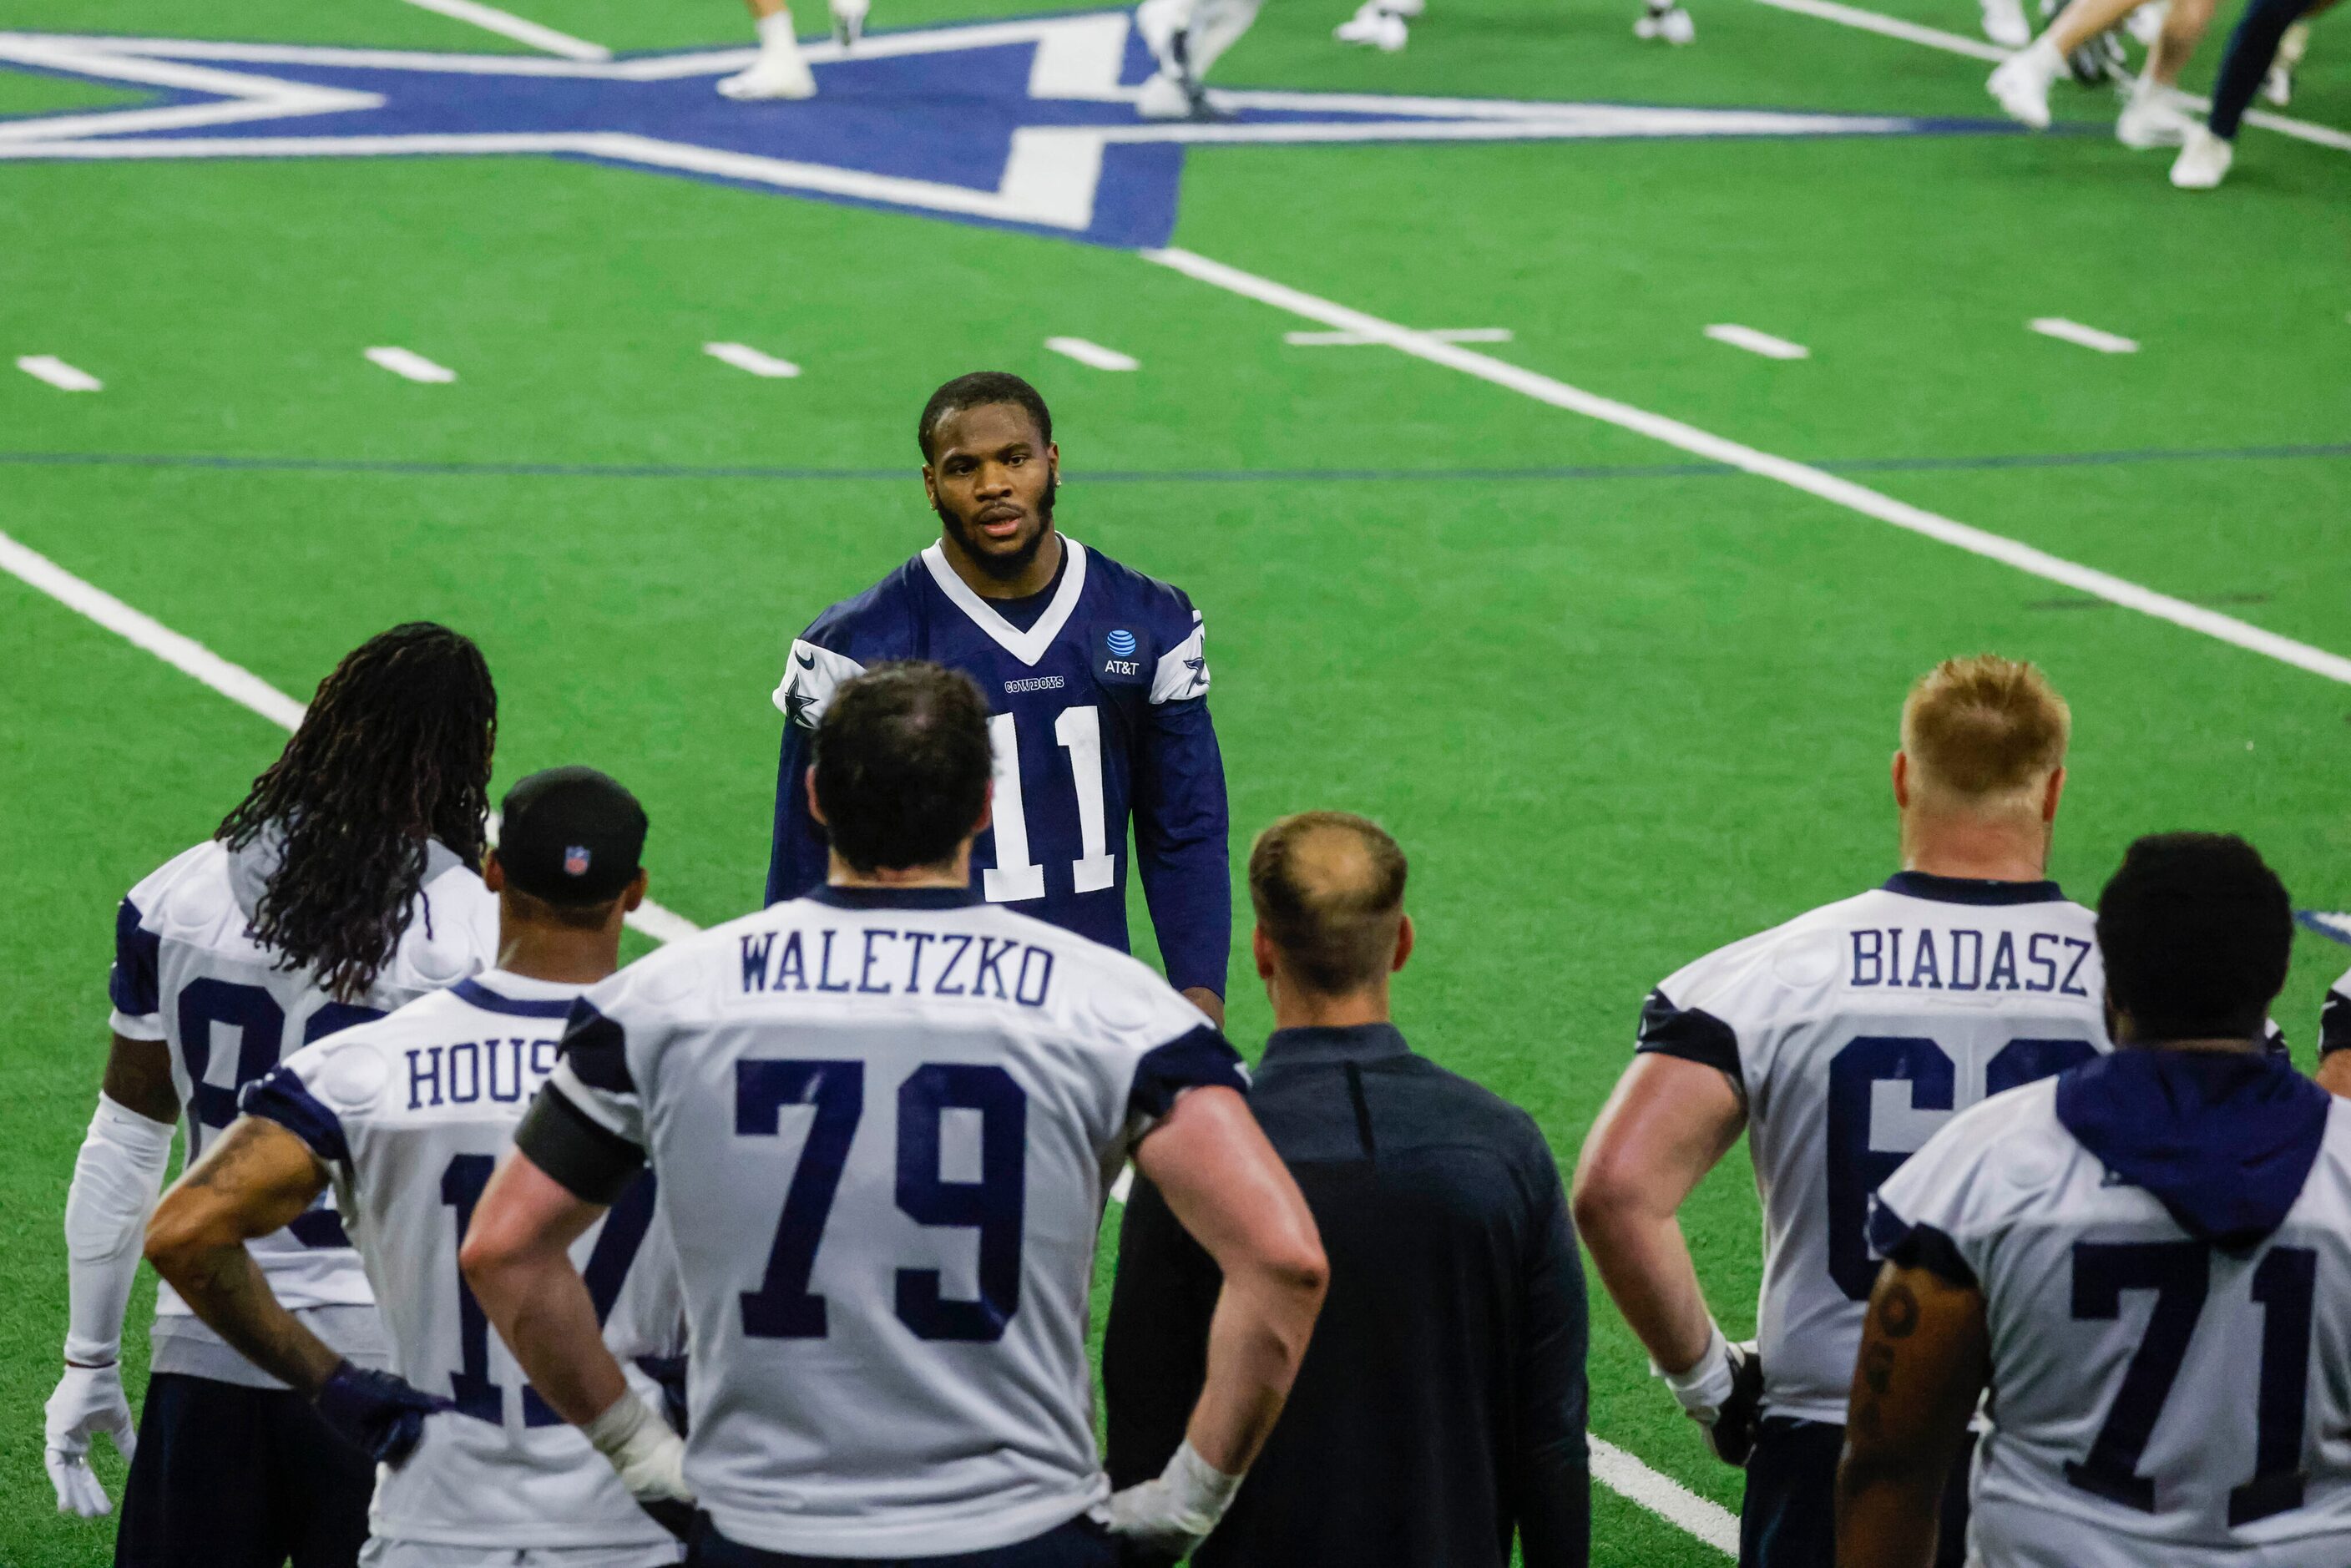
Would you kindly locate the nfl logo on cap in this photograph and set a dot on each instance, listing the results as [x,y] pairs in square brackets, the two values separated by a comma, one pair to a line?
[575,861]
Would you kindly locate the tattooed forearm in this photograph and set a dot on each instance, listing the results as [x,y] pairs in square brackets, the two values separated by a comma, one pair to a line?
[228,1290]
[1898,1311]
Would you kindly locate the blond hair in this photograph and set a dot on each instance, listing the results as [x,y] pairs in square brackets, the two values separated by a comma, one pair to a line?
[1986,731]
[1328,887]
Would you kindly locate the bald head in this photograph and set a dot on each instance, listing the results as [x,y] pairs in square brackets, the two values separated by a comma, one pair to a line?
[1328,887]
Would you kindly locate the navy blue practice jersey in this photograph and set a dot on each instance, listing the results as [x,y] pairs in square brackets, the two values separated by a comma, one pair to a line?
[1099,718]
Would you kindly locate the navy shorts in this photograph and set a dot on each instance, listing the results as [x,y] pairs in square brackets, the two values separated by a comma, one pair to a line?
[231,1477]
[1788,1519]
[1081,1544]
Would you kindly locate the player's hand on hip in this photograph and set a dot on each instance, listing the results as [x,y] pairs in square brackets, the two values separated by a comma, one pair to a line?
[1165,1519]
[377,1411]
[89,1400]
[1722,1391]
[650,1458]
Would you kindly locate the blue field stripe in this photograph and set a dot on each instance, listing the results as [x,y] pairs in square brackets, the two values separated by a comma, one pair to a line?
[420,468]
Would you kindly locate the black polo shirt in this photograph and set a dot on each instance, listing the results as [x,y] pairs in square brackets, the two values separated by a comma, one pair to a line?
[1440,1409]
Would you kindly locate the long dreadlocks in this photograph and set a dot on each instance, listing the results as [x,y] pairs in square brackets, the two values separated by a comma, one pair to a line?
[393,753]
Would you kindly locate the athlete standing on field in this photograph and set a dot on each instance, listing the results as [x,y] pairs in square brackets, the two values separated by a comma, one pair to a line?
[884,1118]
[1097,687]
[342,887]
[2148,1260]
[1840,1041]
[406,1117]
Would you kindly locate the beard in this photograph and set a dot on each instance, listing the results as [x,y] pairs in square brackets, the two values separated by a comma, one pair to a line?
[1003,568]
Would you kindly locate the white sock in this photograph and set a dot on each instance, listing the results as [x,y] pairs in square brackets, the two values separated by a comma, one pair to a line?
[776,33]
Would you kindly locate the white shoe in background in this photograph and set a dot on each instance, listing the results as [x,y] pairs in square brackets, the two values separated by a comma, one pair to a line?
[2203,161]
[2152,116]
[2022,83]
[778,72]
[1375,26]
[1668,22]
[2004,23]
[849,20]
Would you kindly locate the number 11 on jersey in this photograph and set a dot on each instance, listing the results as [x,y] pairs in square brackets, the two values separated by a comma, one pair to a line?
[1014,876]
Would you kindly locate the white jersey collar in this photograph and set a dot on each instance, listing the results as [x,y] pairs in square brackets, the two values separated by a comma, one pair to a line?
[1026,646]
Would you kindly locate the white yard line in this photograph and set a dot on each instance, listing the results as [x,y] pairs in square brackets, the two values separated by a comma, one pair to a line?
[1094,354]
[744,357]
[1621,1473]
[521,30]
[1756,343]
[234,682]
[1786,471]
[409,365]
[1357,340]
[58,374]
[2067,331]
[1979,48]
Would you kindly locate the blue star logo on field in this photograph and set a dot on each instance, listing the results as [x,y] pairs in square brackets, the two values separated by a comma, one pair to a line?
[1025,124]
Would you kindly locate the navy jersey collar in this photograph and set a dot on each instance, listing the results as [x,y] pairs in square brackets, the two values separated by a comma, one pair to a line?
[1358,1043]
[1971,890]
[473,993]
[895,897]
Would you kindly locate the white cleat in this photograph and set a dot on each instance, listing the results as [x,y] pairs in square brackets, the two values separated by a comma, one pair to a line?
[1668,22]
[775,74]
[2203,161]
[2004,23]
[1373,27]
[2022,82]
[1166,97]
[2152,117]
[849,20]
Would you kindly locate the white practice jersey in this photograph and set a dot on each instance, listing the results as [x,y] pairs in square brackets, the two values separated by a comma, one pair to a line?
[2155,1399]
[185,973]
[1854,1032]
[885,1123]
[409,1115]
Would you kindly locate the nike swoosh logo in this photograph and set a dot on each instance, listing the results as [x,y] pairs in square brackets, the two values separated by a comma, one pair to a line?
[808,660]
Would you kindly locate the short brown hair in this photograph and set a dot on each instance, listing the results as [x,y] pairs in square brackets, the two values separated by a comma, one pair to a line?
[903,765]
[1984,728]
[1328,887]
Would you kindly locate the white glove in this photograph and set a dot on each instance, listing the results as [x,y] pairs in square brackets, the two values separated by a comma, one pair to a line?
[1176,1512]
[1722,1391]
[89,1400]
[650,1457]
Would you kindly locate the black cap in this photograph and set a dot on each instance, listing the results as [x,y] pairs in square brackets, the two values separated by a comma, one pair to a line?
[571,835]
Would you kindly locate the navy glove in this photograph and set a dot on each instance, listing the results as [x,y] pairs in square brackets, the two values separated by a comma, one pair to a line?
[378,1411]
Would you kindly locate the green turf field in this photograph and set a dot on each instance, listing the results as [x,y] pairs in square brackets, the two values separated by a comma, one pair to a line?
[1622,703]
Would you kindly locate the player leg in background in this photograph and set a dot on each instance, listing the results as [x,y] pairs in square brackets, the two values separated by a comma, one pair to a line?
[1381,25]
[2156,112]
[197,1491]
[1789,1518]
[2204,160]
[1186,38]
[2277,88]
[2022,83]
[778,72]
